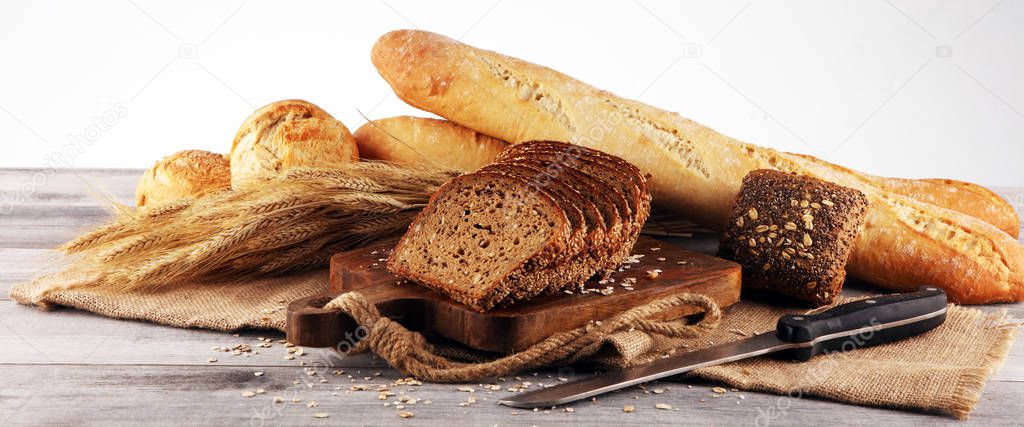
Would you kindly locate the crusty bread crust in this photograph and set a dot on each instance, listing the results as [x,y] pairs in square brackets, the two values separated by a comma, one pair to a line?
[287,134]
[417,140]
[694,170]
[963,197]
[185,174]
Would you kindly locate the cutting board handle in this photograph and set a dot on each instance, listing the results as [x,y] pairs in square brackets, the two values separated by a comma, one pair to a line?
[312,325]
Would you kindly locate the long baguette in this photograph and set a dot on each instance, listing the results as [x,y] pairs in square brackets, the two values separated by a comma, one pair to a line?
[695,170]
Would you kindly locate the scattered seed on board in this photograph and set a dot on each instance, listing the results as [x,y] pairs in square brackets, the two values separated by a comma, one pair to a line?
[664,406]
[320,415]
[258,373]
[718,390]
[628,408]
[406,414]
[248,393]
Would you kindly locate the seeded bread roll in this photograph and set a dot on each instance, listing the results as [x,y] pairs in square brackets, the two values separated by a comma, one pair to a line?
[416,141]
[793,234]
[185,174]
[286,134]
[695,170]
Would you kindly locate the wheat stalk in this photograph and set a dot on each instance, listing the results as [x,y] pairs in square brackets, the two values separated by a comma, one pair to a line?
[293,222]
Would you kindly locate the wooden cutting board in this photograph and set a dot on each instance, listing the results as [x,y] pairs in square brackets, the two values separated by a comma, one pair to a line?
[511,328]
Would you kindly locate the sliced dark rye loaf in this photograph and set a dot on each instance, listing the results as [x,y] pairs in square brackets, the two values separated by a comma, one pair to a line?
[611,256]
[579,266]
[621,174]
[626,179]
[534,282]
[631,209]
[596,193]
[478,235]
[612,205]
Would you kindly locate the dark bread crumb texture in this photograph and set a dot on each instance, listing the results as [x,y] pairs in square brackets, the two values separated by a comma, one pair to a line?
[793,234]
[465,241]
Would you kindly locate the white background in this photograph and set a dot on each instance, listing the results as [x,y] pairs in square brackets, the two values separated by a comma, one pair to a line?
[900,88]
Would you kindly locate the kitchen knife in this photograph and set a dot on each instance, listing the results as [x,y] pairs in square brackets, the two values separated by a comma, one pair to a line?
[852,325]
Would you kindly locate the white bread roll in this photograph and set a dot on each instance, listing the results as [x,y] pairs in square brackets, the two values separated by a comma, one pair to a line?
[185,174]
[286,134]
[416,140]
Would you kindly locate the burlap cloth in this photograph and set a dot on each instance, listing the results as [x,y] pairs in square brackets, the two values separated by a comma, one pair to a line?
[941,371]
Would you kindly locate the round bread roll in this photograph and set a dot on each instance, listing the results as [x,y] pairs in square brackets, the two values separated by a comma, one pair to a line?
[418,140]
[190,173]
[286,134]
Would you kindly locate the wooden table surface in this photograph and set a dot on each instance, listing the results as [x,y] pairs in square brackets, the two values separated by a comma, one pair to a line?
[71,367]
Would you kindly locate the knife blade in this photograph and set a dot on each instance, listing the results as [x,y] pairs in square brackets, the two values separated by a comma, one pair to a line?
[845,327]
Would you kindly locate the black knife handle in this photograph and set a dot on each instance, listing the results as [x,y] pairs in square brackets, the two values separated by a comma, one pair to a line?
[863,323]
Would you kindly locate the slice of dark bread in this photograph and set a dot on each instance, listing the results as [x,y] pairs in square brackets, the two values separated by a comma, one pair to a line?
[637,198]
[603,168]
[558,269]
[478,235]
[578,266]
[608,235]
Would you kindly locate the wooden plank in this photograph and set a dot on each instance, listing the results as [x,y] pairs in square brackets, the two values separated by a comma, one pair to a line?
[34,395]
[20,265]
[66,336]
[39,209]
[78,187]
[46,227]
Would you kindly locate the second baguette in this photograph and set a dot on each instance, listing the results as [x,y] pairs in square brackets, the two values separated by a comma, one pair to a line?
[417,140]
